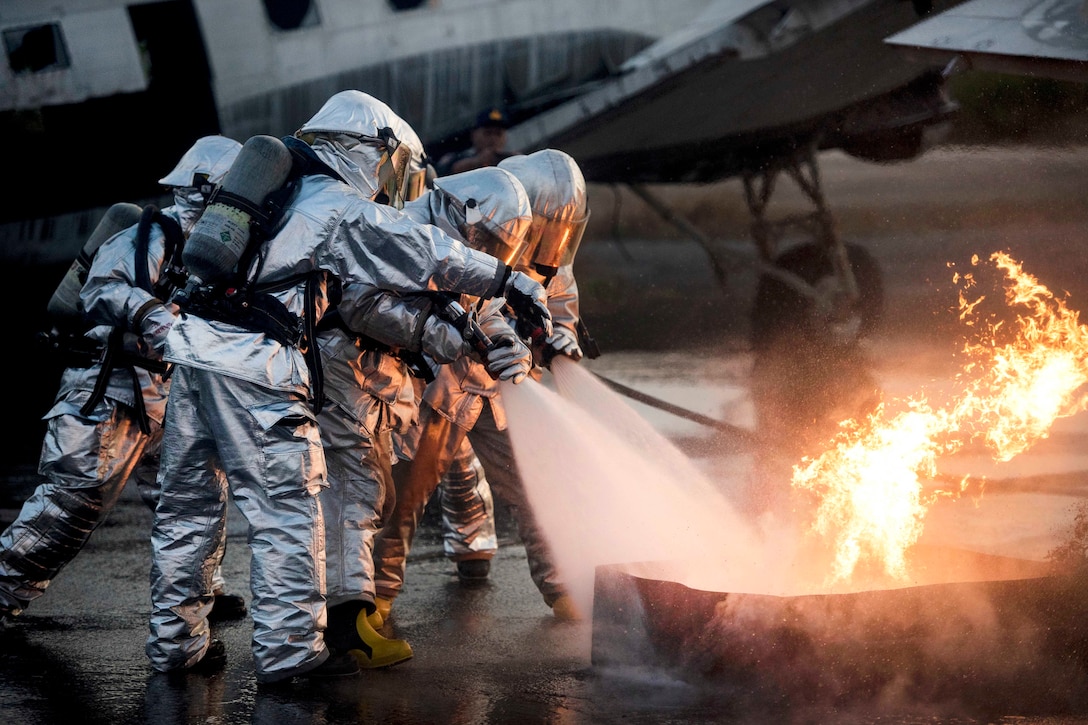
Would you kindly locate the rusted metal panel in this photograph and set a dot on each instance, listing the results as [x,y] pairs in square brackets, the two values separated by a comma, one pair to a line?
[1011,637]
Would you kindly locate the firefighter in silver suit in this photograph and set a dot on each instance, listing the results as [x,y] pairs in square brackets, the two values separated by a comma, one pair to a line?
[246,381]
[464,400]
[107,415]
[369,396]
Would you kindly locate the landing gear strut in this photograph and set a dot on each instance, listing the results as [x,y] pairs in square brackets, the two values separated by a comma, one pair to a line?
[824,287]
[819,288]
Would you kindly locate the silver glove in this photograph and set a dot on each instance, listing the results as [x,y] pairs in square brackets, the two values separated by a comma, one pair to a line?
[508,358]
[564,342]
[529,301]
[442,341]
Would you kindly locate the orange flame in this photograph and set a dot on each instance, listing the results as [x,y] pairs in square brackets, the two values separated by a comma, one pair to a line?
[869,484]
[1023,386]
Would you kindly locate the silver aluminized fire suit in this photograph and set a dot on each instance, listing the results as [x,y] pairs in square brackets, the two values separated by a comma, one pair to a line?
[365,384]
[107,415]
[370,393]
[239,403]
[464,400]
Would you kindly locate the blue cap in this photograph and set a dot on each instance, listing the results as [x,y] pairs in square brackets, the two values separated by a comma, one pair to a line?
[494,117]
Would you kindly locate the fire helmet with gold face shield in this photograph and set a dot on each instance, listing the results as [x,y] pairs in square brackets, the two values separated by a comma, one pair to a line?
[488,209]
[355,134]
[559,200]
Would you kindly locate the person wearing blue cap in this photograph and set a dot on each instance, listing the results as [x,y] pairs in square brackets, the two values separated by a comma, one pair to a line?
[488,145]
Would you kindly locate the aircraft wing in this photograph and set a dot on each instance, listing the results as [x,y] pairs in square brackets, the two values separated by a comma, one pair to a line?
[1028,37]
[745,78]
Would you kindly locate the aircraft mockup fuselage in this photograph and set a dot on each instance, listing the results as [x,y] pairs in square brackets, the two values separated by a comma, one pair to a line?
[108,94]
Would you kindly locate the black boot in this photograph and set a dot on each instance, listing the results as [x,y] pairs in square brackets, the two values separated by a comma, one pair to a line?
[473,571]
[339,664]
[349,631]
[213,661]
[227,608]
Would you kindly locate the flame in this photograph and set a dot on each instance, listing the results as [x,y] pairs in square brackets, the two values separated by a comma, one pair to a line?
[871,501]
[1023,386]
[1019,377]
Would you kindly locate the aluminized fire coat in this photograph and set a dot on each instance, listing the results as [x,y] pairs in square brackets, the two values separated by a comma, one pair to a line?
[370,393]
[466,396]
[87,458]
[239,403]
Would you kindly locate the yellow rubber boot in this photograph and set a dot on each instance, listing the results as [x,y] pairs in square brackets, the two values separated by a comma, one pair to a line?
[564,610]
[382,609]
[376,650]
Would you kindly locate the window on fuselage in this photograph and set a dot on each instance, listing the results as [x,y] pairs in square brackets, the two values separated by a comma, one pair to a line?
[406,4]
[291,14]
[35,49]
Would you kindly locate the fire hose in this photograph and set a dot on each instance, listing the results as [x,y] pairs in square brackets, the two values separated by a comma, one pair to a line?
[592,351]
[741,434]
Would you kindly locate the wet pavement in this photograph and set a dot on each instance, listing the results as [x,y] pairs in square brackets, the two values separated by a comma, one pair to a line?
[494,654]
[488,654]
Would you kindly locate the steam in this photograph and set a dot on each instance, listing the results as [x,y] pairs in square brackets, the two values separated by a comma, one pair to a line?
[606,488]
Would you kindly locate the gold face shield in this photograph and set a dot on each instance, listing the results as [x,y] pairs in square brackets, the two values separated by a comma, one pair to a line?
[480,233]
[553,242]
[419,182]
[393,177]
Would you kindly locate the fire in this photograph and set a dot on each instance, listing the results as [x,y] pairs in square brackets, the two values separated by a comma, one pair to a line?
[1019,377]
[871,502]
[1021,387]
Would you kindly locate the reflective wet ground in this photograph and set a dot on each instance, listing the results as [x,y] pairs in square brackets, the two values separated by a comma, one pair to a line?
[494,654]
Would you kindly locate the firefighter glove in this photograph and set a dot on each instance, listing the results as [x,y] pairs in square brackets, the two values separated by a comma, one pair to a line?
[508,358]
[529,302]
[564,342]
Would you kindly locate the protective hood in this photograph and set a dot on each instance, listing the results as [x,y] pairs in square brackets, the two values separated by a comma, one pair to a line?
[202,167]
[557,193]
[487,208]
[357,136]
[210,156]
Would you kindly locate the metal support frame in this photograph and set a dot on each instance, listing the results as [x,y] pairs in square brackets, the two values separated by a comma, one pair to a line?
[801,166]
[669,214]
[803,169]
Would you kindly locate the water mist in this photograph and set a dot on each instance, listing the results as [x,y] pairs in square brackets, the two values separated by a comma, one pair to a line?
[608,489]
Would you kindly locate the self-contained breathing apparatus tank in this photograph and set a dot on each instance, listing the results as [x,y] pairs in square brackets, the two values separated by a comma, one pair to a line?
[221,234]
[64,306]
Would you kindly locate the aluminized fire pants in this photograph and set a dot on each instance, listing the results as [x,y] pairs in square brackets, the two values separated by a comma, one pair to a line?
[495,452]
[267,444]
[468,512]
[87,460]
[468,509]
[359,498]
[368,393]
